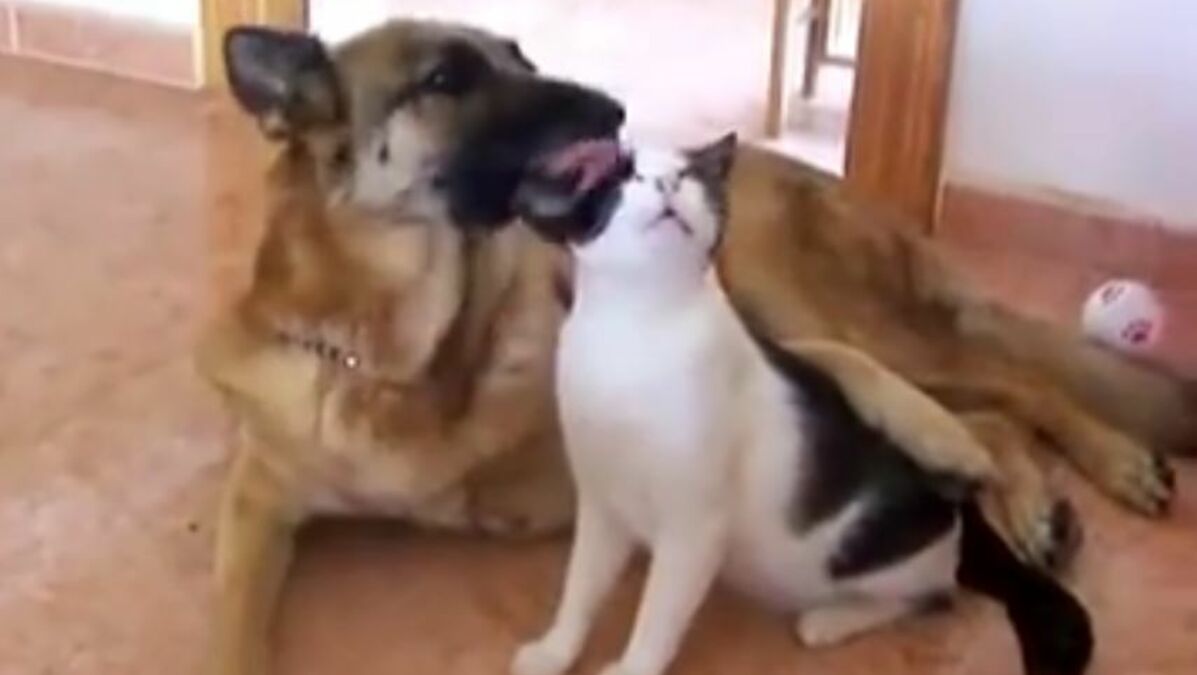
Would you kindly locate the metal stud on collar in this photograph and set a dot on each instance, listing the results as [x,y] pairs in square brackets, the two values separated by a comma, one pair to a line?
[324,350]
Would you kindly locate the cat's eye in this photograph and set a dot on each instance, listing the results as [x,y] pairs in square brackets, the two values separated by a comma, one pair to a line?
[341,157]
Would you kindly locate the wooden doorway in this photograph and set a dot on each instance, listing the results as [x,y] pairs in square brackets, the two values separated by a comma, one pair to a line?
[217,16]
[897,115]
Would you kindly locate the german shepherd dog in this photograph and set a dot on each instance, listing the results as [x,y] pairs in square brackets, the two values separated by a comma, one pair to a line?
[393,353]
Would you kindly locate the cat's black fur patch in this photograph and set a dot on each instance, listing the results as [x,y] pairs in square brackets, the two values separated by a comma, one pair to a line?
[904,509]
[1054,630]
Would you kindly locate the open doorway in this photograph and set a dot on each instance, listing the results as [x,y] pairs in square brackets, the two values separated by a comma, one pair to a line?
[808,112]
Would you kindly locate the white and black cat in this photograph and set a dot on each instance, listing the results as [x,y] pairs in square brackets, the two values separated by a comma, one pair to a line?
[695,436]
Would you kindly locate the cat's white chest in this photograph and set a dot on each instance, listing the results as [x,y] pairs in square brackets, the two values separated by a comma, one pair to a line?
[640,407]
[611,364]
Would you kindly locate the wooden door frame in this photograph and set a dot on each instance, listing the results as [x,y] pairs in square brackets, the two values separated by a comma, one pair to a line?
[217,16]
[899,101]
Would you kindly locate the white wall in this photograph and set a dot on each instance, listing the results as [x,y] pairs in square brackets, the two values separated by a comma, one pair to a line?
[182,13]
[687,69]
[1094,97]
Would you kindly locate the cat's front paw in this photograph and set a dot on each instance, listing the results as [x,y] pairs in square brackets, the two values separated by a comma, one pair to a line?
[542,657]
[620,668]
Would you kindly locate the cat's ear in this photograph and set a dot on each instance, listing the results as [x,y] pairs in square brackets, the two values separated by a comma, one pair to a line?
[286,79]
[712,163]
[711,166]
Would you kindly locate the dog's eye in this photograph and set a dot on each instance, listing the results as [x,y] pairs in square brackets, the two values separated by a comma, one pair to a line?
[440,81]
[446,79]
[460,68]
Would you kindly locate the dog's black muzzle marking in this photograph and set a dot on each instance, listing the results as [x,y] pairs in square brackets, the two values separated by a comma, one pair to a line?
[538,116]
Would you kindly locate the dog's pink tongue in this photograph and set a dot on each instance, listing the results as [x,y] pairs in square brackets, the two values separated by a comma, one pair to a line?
[592,161]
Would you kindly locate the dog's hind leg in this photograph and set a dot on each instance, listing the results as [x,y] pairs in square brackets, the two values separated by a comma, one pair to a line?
[1038,523]
[1118,464]
[1154,407]
[254,545]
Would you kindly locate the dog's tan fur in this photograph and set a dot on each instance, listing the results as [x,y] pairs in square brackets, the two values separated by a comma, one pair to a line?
[446,416]
[456,341]
[809,262]
[404,368]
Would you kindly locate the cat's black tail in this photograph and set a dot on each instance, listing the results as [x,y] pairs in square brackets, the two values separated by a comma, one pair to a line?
[1053,627]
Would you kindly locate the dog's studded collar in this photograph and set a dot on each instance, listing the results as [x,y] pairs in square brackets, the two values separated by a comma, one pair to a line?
[331,353]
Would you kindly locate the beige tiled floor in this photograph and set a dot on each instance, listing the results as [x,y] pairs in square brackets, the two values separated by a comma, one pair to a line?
[126,211]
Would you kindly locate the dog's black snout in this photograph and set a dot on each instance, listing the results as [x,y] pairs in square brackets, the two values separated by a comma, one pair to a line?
[493,173]
[609,114]
[590,111]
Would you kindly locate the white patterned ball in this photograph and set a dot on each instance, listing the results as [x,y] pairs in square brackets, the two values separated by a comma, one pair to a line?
[1124,314]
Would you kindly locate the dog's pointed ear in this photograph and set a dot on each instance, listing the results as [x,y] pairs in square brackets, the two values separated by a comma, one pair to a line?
[284,78]
[517,53]
[712,163]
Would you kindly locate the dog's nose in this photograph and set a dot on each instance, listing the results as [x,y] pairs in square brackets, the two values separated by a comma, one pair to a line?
[592,110]
[610,114]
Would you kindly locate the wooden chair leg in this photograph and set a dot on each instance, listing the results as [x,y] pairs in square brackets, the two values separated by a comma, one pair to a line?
[816,45]
[779,81]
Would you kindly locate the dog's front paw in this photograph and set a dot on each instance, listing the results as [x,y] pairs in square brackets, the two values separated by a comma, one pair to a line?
[542,657]
[1047,533]
[1144,480]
